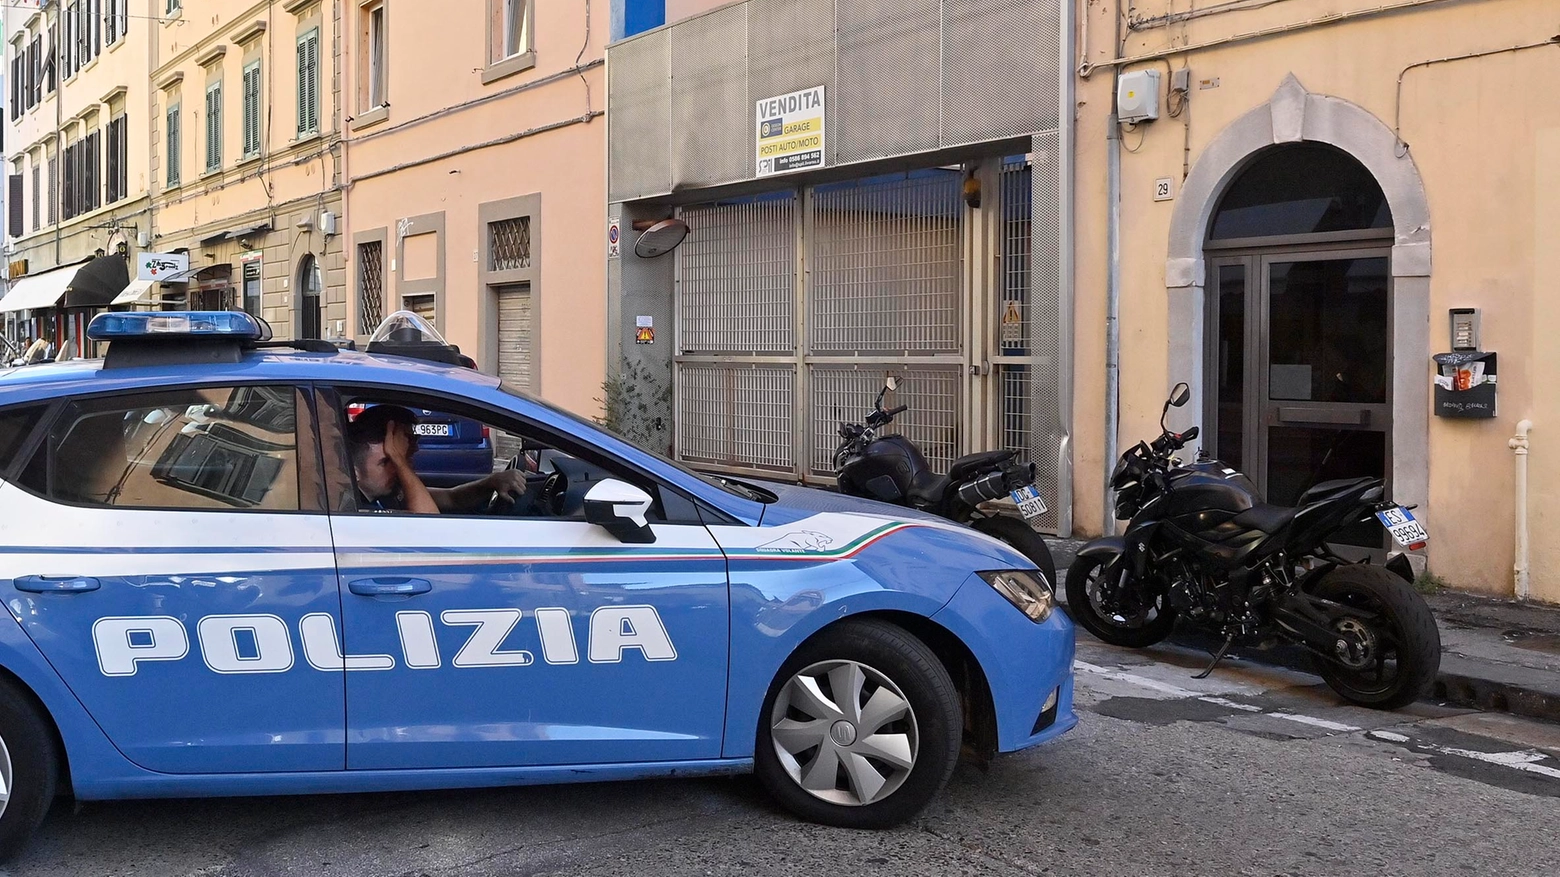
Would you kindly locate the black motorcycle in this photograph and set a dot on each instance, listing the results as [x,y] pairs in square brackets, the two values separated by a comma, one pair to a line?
[989,491]
[1201,545]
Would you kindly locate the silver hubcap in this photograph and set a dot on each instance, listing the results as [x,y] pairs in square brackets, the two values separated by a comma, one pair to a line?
[5,776]
[844,732]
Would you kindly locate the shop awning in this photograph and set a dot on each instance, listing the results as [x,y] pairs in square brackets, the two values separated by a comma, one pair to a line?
[39,291]
[97,283]
[180,276]
[134,293]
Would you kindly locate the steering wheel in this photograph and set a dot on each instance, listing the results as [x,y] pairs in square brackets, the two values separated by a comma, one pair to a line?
[548,499]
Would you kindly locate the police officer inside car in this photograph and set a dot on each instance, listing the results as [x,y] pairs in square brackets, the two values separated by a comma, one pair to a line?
[382,443]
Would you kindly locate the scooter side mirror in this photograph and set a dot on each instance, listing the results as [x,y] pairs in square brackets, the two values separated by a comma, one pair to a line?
[891,383]
[1180,395]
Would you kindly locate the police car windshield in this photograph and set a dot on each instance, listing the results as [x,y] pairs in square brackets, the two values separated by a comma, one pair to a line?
[735,487]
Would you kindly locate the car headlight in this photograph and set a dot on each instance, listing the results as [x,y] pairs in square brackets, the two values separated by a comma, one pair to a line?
[1027,590]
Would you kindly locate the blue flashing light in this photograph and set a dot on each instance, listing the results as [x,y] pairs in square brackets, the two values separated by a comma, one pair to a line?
[143,325]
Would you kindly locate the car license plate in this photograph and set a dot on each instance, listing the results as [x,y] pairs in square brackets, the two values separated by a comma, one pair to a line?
[1405,530]
[432,429]
[1030,505]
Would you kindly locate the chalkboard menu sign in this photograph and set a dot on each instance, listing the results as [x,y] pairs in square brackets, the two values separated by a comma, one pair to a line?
[1465,384]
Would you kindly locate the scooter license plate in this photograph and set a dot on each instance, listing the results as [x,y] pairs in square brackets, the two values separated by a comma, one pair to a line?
[1030,504]
[1405,529]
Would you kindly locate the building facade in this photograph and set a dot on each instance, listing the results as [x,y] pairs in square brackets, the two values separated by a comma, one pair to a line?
[1333,194]
[868,189]
[475,155]
[244,159]
[138,126]
[76,151]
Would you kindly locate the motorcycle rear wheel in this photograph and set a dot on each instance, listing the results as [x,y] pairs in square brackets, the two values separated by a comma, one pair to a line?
[1143,628]
[1388,664]
[1025,540]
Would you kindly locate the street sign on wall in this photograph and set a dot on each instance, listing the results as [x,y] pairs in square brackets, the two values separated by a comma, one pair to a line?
[790,132]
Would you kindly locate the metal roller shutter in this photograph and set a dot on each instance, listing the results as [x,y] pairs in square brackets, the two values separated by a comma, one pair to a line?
[514,336]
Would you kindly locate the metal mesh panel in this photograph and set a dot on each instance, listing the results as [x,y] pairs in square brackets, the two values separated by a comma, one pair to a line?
[371,286]
[736,415]
[510,243]
[1017,240]
[737,289]
[1032,392]
[640,91]
[790,47]
[712,119]
[887,264]
[999,71]
[846,394]
[889,71]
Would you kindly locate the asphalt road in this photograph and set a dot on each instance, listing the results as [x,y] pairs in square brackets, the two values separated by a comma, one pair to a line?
[1255,771]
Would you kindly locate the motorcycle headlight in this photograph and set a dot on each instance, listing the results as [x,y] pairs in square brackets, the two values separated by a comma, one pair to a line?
[1027,590]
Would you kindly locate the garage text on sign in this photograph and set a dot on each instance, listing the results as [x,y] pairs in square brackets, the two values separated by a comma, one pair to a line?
[790,132]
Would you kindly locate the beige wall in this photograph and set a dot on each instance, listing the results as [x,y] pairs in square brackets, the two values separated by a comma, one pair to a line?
[1486,151]
[450,144]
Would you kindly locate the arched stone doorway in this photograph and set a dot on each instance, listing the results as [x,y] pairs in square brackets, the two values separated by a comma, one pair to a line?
[1359,240]
[310,286]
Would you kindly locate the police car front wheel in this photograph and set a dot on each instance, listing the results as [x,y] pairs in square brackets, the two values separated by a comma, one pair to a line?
[861,728]
[28,768]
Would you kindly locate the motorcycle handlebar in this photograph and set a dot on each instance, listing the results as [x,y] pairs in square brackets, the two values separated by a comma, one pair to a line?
[895,412]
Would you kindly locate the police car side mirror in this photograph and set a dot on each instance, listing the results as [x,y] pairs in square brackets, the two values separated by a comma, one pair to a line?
[620,508]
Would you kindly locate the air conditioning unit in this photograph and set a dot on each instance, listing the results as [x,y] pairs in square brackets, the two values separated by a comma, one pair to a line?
[1137,96]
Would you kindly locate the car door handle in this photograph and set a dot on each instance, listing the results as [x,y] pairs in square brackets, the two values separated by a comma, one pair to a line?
[57,584]
[389,587]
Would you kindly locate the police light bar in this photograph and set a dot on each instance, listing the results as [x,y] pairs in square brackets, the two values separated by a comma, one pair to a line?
[169,325]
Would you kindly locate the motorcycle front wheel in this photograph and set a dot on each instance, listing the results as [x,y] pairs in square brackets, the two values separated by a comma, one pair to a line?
[1115,615]
[1025,540]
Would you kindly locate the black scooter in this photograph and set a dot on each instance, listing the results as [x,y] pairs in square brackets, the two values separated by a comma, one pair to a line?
[890,468]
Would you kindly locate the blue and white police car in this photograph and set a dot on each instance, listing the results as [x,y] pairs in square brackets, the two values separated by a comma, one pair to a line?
[198,604]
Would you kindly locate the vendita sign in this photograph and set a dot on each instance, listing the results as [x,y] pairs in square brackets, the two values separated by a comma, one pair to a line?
[790,135]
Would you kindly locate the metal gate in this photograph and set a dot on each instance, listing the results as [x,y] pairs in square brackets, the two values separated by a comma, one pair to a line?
[793,307]
[514,335]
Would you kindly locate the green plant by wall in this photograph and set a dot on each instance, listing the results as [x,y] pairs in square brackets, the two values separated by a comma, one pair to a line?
[636,404]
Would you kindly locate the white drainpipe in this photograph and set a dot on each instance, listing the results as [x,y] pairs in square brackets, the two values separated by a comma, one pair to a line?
[1519,444]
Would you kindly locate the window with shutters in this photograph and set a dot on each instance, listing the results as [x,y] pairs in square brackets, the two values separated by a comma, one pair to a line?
[35,73]
[16,81]
[116,21]
[118,159]
[309,82]
[252,110]
[13,204]
[372,72]
[510,43]
[68,45]
[214,126]
[53,193]
[37,193]
[94,28]
[51,60]
[173,6]
[92,176]
[175,146]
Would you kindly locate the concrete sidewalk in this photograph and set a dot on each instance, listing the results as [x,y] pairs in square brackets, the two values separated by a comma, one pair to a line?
[1496,654]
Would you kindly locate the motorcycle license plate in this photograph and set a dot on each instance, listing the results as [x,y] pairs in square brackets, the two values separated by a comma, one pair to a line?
[1030,505]
[1405,529]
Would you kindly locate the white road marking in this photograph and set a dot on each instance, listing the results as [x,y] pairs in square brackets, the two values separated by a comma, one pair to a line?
[1250,708]
[1177,691]
[1314,722]
[1133,679]
[1523,760]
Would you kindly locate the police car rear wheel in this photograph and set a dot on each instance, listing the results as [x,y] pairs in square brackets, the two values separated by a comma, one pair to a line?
[861,728]
[28,768]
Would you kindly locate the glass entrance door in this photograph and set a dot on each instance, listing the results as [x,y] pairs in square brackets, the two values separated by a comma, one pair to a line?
[1301,367]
